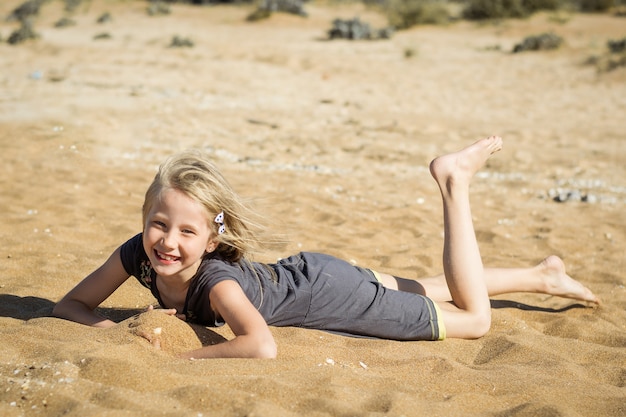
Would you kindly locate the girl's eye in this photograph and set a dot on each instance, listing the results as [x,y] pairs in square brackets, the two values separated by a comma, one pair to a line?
[188,232]
[159,224]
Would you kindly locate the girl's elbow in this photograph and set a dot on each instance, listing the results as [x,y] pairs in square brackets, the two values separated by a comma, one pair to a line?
[267,350]
[59,310]
[66,309]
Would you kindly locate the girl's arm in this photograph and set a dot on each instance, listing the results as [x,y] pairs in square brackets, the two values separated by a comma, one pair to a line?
[253,337]
[79,304]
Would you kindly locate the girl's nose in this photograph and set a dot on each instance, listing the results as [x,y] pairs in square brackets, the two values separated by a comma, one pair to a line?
[168,241]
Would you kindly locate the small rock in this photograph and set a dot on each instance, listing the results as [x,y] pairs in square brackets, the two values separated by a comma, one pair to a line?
[561,196]
[541,42]
[267,7]
[157,8]
[617,46]
[354,29]
[102,36]
[25,32]
[178,42]
[36,75]
[64,22]
[25,10]
[105,18]
[72,5]
[590,198]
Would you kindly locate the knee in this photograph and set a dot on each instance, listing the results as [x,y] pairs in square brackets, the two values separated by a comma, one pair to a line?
[481,323]
[467,325]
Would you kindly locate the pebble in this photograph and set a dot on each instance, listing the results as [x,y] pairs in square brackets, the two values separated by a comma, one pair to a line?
[25,10]
[158,8]
[101,36]
[64,22]
[180,42]
[267,7]
[541,42]
[354,29]
[36,75]
[105,18]
[563,195]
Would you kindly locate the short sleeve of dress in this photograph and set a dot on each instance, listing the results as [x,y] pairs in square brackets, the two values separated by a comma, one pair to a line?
[212,271]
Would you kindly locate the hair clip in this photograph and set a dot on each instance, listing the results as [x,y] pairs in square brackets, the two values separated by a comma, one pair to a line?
[219,219]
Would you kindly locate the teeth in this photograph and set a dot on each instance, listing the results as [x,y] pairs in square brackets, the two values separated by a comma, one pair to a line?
[167,257]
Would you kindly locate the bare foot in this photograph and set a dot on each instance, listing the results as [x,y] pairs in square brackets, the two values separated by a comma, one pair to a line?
[558,283]
[459,167]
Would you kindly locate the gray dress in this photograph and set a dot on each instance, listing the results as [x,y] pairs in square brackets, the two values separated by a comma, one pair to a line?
[309,290]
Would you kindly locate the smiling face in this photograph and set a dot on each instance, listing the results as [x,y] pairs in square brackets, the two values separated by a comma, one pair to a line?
[176,235]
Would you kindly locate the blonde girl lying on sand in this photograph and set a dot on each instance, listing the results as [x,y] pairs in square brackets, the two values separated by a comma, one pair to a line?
[193,255]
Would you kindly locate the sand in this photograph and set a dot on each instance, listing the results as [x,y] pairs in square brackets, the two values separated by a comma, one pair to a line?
[333,140]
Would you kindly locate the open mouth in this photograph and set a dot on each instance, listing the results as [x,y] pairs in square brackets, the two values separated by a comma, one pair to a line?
[166,258]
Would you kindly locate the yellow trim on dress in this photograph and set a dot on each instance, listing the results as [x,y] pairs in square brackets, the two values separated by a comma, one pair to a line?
[377,276]
[440,323]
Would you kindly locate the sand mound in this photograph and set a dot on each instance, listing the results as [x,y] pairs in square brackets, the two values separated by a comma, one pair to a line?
[166,332]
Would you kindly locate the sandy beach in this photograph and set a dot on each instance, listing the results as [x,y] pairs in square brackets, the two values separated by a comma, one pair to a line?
[331,140]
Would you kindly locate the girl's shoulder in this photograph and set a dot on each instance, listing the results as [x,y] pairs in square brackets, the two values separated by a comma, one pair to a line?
[214,269]
[215,262]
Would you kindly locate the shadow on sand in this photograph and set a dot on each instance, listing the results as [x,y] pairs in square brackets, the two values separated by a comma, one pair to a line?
[26,308]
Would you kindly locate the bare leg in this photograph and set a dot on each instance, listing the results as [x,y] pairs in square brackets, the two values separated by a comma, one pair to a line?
[469,314]
[548,277]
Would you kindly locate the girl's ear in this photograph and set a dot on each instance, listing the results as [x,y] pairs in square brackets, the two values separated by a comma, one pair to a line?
[211,245]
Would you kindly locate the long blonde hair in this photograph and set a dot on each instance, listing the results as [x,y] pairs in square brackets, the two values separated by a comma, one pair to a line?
[193,173]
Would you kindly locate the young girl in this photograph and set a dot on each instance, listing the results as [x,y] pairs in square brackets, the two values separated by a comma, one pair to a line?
[193,251]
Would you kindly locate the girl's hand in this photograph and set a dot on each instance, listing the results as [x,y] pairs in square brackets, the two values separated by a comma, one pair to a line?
[154,338]
[168,311]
